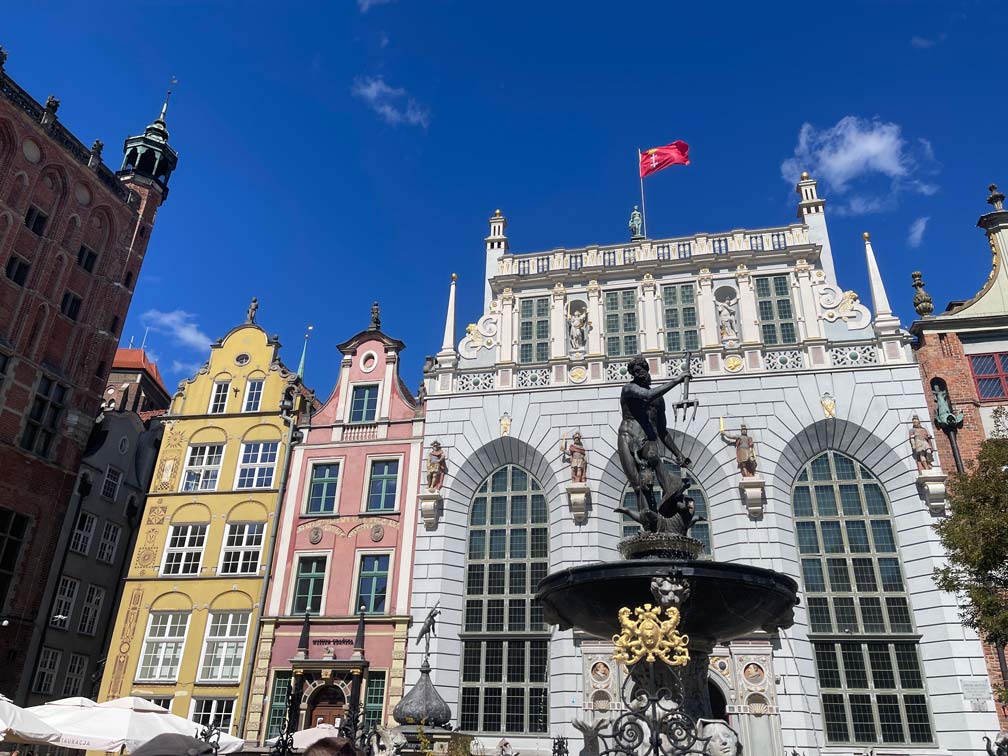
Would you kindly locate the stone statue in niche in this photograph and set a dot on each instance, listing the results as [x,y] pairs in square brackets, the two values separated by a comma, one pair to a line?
[921,445]
[745,450]
[945,416]
[642,434]
[727,320]
[576,454]
[577,330]
[437,466]
[721,739]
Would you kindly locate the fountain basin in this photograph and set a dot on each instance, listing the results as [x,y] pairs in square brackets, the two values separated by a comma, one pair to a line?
[726,601]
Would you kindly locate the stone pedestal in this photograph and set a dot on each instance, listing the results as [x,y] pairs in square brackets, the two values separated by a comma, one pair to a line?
[931,487]
[752,490]
[579,499]
[431,506]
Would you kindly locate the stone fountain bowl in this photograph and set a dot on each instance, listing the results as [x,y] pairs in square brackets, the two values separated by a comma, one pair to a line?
[726,601]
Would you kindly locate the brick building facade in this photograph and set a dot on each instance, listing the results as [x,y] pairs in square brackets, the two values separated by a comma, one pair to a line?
[963,358]
[73,234]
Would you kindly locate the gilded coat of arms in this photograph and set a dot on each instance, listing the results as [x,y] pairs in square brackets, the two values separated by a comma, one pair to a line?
[650,637]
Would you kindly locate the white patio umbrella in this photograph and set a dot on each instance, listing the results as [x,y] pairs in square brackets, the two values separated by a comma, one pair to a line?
[122,723]
[22,726]
[304,738]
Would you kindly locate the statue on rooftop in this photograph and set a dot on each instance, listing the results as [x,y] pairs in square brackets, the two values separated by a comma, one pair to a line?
[643,436]
[250,316]
[636,221]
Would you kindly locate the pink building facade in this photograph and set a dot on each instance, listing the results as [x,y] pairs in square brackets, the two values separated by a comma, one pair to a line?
[344,546]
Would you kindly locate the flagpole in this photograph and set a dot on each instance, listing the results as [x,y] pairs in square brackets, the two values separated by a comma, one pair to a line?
[642,208]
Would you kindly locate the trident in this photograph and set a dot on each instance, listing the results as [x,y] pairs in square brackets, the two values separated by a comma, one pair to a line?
[685,403]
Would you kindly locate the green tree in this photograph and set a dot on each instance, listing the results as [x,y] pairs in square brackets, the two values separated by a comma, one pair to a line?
[975,537]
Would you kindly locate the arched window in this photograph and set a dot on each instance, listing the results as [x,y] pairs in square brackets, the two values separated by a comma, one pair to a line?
[505,643]
[859,612]
[700,530]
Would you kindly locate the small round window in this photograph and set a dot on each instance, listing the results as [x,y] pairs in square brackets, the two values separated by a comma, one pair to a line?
[369,361]
[243,359]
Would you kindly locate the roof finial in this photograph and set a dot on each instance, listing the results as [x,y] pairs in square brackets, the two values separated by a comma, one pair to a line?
[922,300]
[164,108]
[375,317]
[304,352]
[253,307]
[996,198]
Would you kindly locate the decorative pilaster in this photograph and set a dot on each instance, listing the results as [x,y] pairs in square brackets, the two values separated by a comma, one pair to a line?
[748,315]
[650,308]
[809,325]
[558,323]
[710,337]
[595,316]
[507,341]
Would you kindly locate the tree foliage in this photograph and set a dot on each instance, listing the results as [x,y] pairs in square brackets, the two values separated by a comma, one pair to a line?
[975,537]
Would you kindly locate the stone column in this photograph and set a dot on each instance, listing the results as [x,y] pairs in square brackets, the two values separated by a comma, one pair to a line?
[748,314]
[710,335]
[597,318]
[649,319]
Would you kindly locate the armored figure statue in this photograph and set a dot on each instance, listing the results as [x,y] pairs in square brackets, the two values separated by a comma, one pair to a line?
[921,446]
[577,456]
[636,221]
[745,451]
[437,466]
[577,327]
[642,434]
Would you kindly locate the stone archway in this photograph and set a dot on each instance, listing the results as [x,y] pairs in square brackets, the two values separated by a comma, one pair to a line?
[327,706]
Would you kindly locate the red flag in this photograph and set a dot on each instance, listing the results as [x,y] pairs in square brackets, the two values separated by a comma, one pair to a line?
[653,160]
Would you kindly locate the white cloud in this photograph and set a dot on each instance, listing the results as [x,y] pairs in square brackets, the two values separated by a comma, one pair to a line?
[180,326]
[851,158]
[179,367]
[916,233]
[366,5]
[921,43]
[391,103]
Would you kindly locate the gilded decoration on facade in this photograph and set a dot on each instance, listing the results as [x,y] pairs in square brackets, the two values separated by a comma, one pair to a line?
[649,637]
[482,334]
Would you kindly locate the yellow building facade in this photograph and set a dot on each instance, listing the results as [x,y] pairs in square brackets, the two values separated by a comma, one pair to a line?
[191,602]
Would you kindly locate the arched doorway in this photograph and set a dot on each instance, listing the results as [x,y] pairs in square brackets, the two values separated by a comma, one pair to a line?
[327,707]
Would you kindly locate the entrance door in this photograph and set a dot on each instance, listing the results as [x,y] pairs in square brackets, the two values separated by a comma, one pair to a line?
[328,707]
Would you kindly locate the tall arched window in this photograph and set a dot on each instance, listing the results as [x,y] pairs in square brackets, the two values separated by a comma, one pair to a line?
[505,644]
[859,612]
[700,530]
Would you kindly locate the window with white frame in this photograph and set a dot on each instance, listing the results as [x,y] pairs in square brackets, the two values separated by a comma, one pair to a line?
[308,584]
[533,330]
[253,394]
[382,485]
[110,486]
[242,545]
[45,674]
[162,649]
[324,484]
[776,313]
[681,330]
[209,711]
[66,596]
[93,600]
[218,400]
[224,649]
[109,542]
[184,551]
[364,404]
[372,583]
[202,467]
[257,464]
[73,683]
[621,323]
[83,532]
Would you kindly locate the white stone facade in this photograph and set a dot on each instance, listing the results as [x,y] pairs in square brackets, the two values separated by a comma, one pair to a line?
[848,384]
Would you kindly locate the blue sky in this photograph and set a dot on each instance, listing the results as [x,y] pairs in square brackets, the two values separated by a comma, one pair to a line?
[336,153]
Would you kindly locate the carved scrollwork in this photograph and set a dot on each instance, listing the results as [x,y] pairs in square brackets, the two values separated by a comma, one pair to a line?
[835,304]
[482,334]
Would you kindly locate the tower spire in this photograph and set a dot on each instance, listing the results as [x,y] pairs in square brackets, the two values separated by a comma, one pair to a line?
[164,108]
[885,321]
[447,358]
[304,352]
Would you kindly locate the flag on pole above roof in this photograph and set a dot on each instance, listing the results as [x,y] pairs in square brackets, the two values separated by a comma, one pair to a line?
[653,160]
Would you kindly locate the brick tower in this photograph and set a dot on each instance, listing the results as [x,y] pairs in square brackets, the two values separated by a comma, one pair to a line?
[73,234]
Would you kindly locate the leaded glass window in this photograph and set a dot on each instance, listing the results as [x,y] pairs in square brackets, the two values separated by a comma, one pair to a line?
[859,612]
[505,642]
[681,334]
[776,313]
[533,330]
[621,323]
[700,529]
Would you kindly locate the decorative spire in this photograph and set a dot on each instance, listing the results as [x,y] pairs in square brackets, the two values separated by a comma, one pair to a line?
[448,342]
[375,317]
[996,198]
[922,300]
[164,108]
[303,641]
[358,649]
[879,298]
[304,352]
